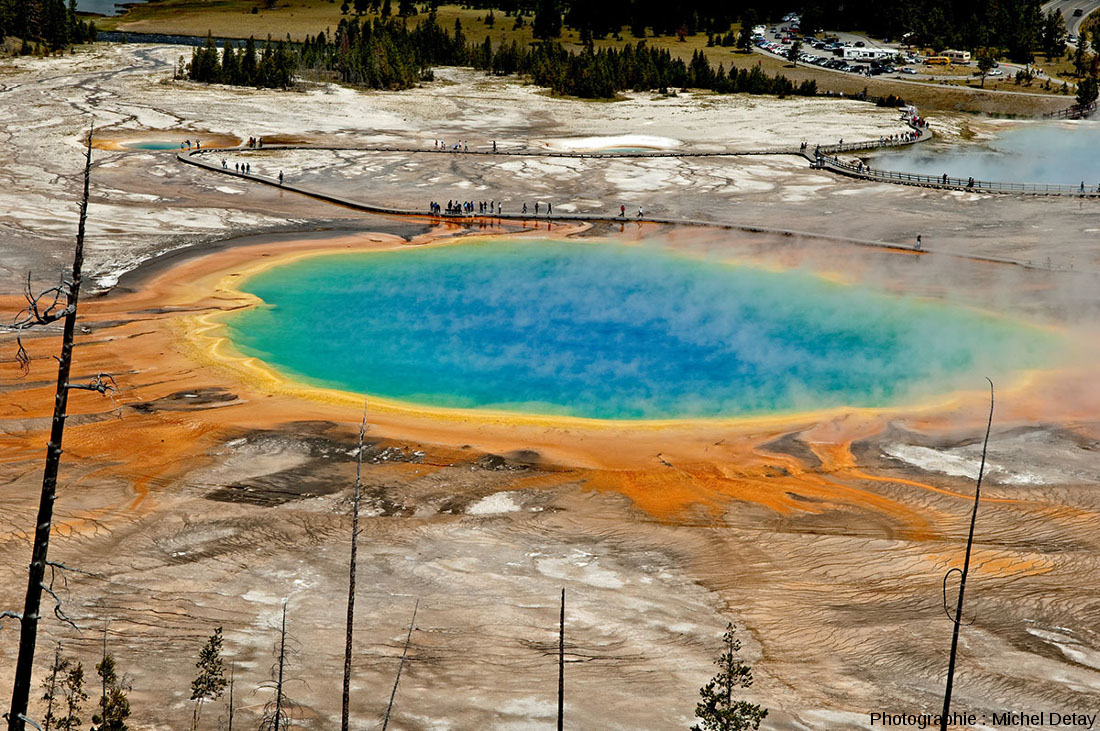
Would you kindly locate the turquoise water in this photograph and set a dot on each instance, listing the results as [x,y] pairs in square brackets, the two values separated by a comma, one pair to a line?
[152,145]
[1048,152]
[610,331]
[627,149]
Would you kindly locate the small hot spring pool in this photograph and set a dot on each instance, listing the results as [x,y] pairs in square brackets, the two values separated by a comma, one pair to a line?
[612,332]
[1044,152]
[151,145]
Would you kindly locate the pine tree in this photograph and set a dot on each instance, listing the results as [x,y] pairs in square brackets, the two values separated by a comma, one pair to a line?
[547,20]
[210,683]
[114,707]
[248,63]
[1087,91]
[52,685]
[75,695]
[744,39]
[718,711]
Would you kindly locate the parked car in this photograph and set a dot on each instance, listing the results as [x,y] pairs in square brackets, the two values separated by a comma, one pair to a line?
[908,70]
[860,44]
[995,72]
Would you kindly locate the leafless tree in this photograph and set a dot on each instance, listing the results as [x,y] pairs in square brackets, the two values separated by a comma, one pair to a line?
[232,672]
[956,620]
[400,665]
[561,664]
[43,309]
[278,709]
[345,714]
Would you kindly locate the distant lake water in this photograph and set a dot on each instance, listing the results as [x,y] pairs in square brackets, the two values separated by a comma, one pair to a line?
[1047,152]
[103,7]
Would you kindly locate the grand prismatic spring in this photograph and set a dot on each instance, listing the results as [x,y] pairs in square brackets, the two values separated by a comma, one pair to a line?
[719,386]
[609,331]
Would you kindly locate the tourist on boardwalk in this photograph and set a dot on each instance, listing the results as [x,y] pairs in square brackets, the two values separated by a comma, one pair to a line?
[280,177]
[918,242]
[550,207]
[536,208]
[1082,186]
[622,211]
[945,178]
[237,167]
[494,145]
[639,211]
[525,209]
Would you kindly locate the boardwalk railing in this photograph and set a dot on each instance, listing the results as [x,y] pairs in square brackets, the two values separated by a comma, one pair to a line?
[941,181]
[1075,112]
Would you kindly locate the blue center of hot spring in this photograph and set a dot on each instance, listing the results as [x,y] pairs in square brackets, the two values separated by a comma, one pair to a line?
[610,331]
[153,145]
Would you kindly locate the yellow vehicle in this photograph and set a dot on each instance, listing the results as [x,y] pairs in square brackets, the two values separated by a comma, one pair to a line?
[938,61]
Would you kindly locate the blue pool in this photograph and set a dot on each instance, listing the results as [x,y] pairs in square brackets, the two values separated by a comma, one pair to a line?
[612,331]
[152,145]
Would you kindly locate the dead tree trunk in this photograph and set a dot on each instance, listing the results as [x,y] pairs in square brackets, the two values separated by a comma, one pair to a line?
[345,714]
[957,619]
[404,654]
[282,664]
[561,665]
[232,673]
[28,632]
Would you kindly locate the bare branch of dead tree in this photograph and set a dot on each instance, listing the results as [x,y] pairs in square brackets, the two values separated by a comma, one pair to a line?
[345,712]
[400,665]
[42,309]
[956,621]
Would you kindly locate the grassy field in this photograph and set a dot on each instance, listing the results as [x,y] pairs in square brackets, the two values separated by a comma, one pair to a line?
[297,18]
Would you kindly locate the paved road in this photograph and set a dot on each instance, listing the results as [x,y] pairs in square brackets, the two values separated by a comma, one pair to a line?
[1066,8]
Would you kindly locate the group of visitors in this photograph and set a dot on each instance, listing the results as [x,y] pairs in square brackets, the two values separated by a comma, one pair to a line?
[243,168]
[549,208]
[255,142]
[460,146]
[187,144]
[463,208]
[900,137]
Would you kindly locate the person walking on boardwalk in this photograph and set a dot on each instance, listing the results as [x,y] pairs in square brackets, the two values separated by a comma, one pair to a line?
[550,206]
[918,242]
[525,209]
[494,145]
[280,177]
[622,211]
[536,208]
[639,211]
